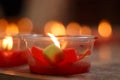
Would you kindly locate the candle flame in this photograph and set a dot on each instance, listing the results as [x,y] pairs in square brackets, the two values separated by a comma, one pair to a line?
[7,43]
[54,39]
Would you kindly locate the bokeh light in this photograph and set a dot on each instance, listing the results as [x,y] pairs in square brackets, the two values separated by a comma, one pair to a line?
[3,25]
[105,29]
[54,27]
[73,28]
[12,29]
[85,30]
[25,25]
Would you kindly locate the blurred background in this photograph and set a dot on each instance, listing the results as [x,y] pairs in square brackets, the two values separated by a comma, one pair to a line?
[34,16]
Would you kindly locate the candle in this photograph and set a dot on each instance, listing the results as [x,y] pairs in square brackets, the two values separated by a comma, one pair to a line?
[61,55]
[10,52]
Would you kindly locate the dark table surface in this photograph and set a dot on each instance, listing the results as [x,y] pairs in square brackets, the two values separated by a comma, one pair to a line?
[105,66]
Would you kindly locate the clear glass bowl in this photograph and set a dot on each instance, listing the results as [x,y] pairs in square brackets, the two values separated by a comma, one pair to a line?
[72,57]
[12,51]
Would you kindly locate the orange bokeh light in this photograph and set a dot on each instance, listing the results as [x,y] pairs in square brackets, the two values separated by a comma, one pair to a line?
[12,29]
[55,28]
[3,25]
[25,25]
[73,28]
[105,29]
[85,30]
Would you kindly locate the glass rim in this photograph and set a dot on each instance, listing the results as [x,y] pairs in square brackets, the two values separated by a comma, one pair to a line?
[13,36]
[29,36]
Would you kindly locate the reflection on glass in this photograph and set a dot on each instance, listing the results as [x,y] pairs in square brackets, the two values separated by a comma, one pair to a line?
[104,53]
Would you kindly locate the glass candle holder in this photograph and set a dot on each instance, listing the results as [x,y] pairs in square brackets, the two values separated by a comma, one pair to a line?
[71,55]
[12,51]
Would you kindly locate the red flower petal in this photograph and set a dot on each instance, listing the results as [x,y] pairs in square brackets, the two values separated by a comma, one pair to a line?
[37,53]
[70,56]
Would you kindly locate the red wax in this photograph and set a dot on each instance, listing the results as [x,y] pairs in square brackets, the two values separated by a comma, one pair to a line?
[81,67]
[12,58]
[70,65]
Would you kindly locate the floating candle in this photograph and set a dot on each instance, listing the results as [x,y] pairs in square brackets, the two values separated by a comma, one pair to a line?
[10,52]
[48,57]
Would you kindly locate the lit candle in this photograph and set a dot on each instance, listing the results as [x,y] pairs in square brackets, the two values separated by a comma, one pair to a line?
[8,55]
[7,43]
[59,55]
